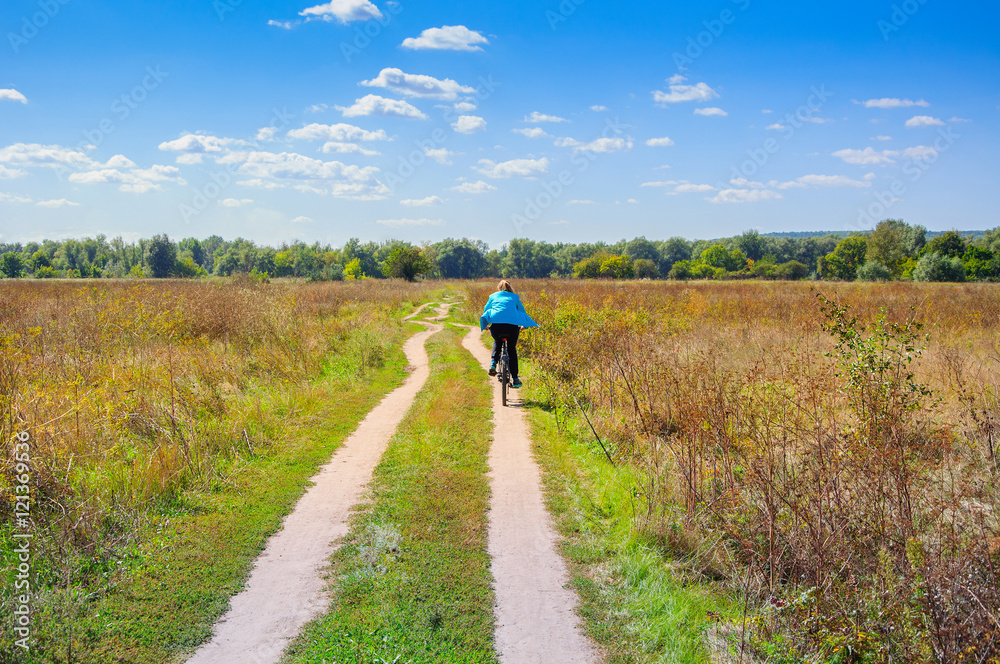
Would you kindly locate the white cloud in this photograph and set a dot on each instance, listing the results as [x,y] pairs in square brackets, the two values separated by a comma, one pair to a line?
[632,201]
[890,102]
[765,111]
[818,181]
[422,202]
[301,220]
[468,124]
[440,155]
[537,117]
[958,119]
[186,159]
[294,166]
[464,106]
[138,181]
[57,203]
[285,25]
[10,173]
[602,145]
[744,196]
[882,138]
[561,222]
[12,95]
[200,144]
[710,111]
[317,108]
[775,127]
[344,11]
[693,188]
[681,93]
[531,132]
[663,142]
[920,152]
[341,132]
[418,85]
[478,187]
[13,198]
[235,202]
[375,105]
[585,201]
[446,38]
[924,121]
[397,223]
[336,147]
[867,156]
[597,108]
[34,154]
[525,168]
[266,134]
[666,183]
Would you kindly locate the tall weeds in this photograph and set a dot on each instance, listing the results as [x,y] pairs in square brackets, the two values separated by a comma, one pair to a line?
[134,395]
[827,457]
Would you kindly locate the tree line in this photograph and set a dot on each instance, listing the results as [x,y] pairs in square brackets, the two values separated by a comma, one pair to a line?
[893,250]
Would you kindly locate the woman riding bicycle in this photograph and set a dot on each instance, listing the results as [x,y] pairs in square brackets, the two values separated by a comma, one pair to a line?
[505,316]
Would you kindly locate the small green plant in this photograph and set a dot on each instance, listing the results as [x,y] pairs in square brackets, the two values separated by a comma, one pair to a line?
[876,364]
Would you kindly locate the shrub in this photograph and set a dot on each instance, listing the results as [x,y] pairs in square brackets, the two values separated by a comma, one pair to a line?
[936,267]
[874,271]
[645,269]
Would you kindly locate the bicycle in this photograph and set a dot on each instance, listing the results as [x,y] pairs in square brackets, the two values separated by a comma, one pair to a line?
[503,373]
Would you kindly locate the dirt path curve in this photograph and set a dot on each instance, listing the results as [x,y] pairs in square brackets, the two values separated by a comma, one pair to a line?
[535,611]
[286,586]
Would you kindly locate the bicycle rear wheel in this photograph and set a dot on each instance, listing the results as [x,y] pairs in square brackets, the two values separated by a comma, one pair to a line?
[504,374]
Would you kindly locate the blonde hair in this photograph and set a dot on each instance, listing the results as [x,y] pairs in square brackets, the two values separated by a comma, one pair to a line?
[504,285]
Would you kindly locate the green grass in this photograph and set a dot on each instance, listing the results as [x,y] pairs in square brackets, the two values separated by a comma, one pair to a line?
[197,549]
[411,582]
[637,603]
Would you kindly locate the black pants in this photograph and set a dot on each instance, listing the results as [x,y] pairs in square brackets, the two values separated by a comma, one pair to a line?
[498,330]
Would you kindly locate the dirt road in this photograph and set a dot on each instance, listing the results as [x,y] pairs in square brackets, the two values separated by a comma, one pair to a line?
[285,588]
[535,610]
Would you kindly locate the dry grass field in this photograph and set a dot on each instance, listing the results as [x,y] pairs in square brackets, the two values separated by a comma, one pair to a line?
[141,397]
[829,450]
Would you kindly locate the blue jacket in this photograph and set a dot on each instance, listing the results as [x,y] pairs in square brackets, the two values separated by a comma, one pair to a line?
[505,307]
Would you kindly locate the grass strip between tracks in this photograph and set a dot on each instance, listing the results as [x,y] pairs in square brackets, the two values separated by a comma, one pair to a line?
[411,583]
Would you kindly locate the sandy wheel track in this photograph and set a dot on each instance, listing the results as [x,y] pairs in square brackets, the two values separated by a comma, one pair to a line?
[286,586]
[535,610]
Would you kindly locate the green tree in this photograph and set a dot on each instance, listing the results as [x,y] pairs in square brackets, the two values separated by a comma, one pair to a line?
[617,267]
[161,256]
[645,269]
[937,267]
[949,244]
[843,262]
[980,263]
[590,267]
[791,270]
[715,256]
[12,265]
[673,250]
[752,245]
[874,271]
[406,263]
[460,259]
[38,260]
[890,245]
[353,270]
[680,270]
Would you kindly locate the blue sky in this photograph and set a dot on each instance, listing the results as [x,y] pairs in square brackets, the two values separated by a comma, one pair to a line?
[572,121]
